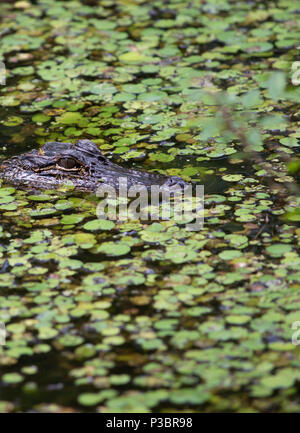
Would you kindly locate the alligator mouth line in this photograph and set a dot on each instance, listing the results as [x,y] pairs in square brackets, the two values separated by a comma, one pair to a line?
[81,164]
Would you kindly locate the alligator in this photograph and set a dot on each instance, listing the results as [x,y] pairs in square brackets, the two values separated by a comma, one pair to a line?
[82,164]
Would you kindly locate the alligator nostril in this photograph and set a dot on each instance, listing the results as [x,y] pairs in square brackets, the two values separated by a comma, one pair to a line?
[175,181]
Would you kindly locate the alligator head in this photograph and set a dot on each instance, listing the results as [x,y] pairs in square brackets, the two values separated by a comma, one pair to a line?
[82,164]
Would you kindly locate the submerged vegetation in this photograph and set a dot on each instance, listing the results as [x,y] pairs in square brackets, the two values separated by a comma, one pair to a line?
[115,316]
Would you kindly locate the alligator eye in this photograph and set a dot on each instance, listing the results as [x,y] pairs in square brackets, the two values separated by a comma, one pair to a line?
[68,163]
